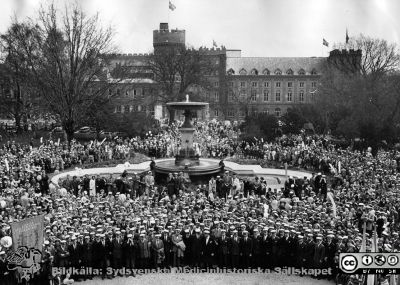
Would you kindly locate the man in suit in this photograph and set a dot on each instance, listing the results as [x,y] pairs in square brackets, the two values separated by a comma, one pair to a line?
[319,253]
[246,249]
[209,250]
[75,254]
[157,247]
[235,249]
[117,251]
[167,242]
[144,252]
[256,249]
[330,250]
[129,253]
[223,245]
[309,251]
[197,248]
[265,248]
[103,255]
[187,240]
[300,252]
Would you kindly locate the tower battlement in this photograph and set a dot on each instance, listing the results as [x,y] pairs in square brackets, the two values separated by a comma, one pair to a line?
[166,37]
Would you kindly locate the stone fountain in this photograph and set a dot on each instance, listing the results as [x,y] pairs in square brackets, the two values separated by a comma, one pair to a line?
[186,160]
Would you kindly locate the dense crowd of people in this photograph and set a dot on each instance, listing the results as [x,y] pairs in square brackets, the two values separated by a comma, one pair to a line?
[131,221]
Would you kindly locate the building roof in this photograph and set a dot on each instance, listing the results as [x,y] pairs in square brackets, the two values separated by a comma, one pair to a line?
[271,64]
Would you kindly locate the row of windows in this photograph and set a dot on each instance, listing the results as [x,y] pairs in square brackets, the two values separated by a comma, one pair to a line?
[232,113]
[267,72]
[266,96]
[132,93]
[129,108]
[256,84]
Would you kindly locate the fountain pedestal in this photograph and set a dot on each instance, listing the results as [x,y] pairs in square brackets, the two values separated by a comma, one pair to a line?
[187,160]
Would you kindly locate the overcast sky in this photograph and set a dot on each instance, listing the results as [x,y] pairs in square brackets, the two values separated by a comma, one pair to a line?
[257,27]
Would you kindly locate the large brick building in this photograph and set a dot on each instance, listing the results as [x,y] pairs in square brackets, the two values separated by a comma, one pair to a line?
[237,85]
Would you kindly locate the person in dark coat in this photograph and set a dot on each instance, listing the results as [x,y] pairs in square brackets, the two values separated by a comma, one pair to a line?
[256,249]
[129,253]
[167,242]
[309,251]
[246,249]
[224,244]
[300,252]
[235,250]
[209,250]
[103,250]
[197,249]
[319,253]
[187,240]
[117,251]
[266,249]
[87,253]
[75,253]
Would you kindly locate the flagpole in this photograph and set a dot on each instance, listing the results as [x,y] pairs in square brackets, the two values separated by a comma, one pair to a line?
[168,11]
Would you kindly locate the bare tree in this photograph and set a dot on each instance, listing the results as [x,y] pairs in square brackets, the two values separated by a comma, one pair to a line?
[65,56]
[179,69]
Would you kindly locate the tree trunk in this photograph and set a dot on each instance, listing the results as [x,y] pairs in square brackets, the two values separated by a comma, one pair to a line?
[68,126]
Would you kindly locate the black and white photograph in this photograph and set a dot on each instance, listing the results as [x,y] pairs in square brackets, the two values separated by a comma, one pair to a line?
[206,142]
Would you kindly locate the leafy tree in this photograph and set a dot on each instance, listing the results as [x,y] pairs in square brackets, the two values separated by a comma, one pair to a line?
[64,55]
[359,94]
[261,125]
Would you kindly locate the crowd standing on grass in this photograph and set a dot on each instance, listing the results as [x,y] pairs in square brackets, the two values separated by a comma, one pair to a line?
[130,221]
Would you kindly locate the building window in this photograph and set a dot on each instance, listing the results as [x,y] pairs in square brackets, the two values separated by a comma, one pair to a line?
[289,72]
[266,95]
[109,92]
[301,96]
[266,84]
[242,84]
[289,97]
[119,109]
[230,83]
[216,84]
[230,96]
[278,72]
[278,112]
[314,72]
[253,97]
[231,71]
[243,72]
[216,96]
[254,84]
[241,113]
[231,113]
[278,96]
[254,71]
[277,84]
[266,71]
[243,95]
[314,84]
[266,111]
[312,96]
[127,109]
[118,91]
[302,72]
[216,113]
[301,84]
[290,84]
[217,61]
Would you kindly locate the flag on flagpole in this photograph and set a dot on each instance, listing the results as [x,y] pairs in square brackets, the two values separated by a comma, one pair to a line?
[214,44]
[347,37]
[172,7]
[325,43]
